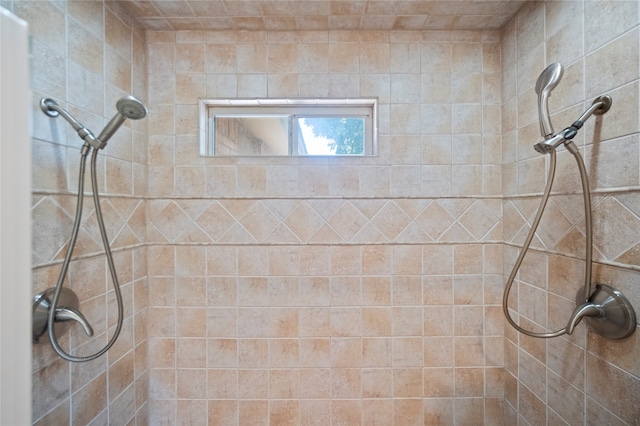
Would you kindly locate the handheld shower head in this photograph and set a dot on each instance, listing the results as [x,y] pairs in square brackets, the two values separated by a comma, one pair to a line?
[128,107]
[131,107]
[548,80]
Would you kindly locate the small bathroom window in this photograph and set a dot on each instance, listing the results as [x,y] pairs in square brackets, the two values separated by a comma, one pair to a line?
[288,127]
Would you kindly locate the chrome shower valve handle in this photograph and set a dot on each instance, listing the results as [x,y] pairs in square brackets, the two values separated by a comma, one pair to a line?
[71,314]
[66,312]
[607,312]
[583,310]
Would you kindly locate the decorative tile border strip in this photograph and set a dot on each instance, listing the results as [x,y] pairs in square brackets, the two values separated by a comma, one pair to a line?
[324,221]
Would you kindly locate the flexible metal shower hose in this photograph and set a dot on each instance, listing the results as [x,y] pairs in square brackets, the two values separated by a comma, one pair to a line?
[67,260]
[532,231]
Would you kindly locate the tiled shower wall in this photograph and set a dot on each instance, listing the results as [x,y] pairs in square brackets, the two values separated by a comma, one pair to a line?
[318,290]
[583,378]
[309,290]
[86,55]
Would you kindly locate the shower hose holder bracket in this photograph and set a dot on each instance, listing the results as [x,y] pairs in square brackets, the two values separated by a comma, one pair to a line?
[618,320]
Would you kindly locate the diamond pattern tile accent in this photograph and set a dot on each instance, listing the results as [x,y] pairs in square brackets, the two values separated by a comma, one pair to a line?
[347,221]
[304,221]
[412,207]
[522,235]
[513,221]
[112,222]
[84,245]
[126,237]
[237,208]
[326,235]
[291,221]
[370,234]
[237,234]
[572,206]
[572,243]
[527,207]
[125,221]
[479,219]
[615,228]
[456,207]
[138,221]
[282,208]
[170,221]
[154,235]
[282,235]
[553,225]
[456,233]
[215,221]
[68,204]
[368,208]
[495,234]
[325,208]
[361,221]
[50,233]
[414,234]
[391,220]
[193,234]
[630,201]
[434,220]
[259,221]
[194,208]
[631,256]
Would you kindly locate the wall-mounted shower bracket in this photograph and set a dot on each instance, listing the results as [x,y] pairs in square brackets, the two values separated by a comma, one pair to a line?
[52,109]
[605,103]
[599,106]
[67,310]
[615,318]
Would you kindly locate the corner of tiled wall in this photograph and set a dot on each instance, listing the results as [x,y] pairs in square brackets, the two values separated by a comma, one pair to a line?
[86,55]
[582,378]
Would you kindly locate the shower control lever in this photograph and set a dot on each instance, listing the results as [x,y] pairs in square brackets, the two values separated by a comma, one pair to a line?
[586,309]
[66,311]
[607,312]
[68,314]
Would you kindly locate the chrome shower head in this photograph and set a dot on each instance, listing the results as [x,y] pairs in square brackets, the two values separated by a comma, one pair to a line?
[131,108]
[548,80]
[128,107]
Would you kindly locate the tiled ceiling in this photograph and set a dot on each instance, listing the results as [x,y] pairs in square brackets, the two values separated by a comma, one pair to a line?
[287,15]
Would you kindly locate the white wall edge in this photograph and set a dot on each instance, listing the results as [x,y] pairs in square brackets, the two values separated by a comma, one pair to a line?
[15,222]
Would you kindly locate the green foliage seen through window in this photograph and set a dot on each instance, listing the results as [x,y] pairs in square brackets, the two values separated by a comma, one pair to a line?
[346,133]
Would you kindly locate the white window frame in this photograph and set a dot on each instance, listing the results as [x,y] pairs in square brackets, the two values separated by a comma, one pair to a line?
[367,108]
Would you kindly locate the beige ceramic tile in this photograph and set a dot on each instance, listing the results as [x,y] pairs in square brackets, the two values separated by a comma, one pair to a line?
[91,398]
[468,409]
[284,384]
[315,383]
[221,412]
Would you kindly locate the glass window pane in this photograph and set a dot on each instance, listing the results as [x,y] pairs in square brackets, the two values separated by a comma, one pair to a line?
[257,135]
[287,127]
[332,135]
